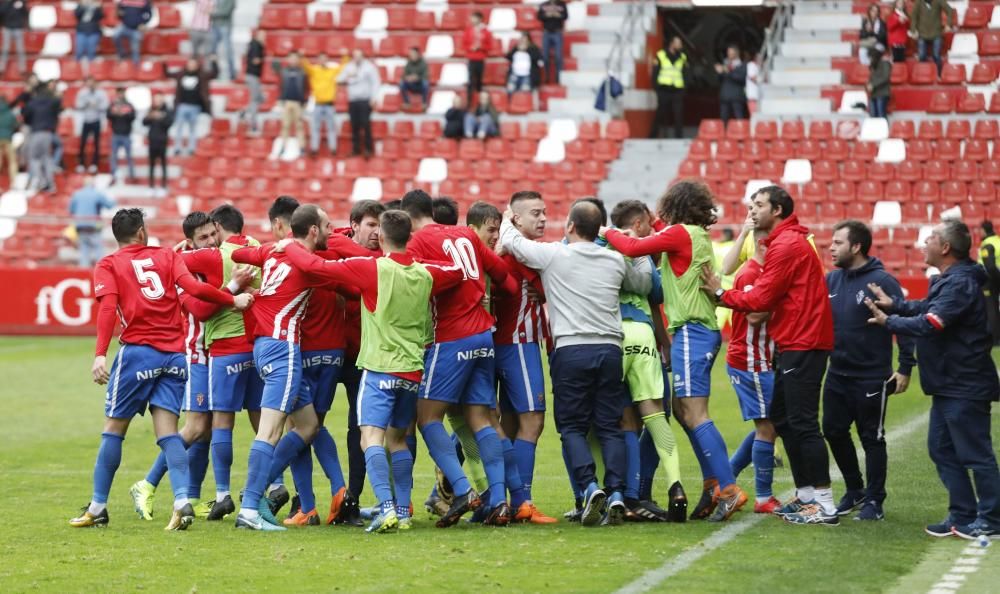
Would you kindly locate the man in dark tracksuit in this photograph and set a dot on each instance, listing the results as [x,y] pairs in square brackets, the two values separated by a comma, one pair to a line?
[957,371]
[860,379]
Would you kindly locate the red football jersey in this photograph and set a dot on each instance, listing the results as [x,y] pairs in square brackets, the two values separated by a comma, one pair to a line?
[207,262]
[144,279]
[750,347]
[280,305]
[459,313]
[519,319]
[325,326]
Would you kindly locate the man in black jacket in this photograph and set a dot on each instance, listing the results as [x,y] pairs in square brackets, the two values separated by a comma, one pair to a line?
[14,14]
[860,378]
[158,120]
[191,100]
[732,86]
[121,115]
[553,15]
[957,371]
[41,115]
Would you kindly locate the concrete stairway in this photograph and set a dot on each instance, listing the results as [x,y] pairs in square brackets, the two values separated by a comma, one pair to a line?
[643,170]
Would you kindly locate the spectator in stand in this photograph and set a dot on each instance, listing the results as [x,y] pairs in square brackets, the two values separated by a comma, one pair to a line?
[477,42]
[669,73]
[255,67]
[526,63]
[732,79]
[158,120]
[415,78]
[879,83]
[323,83]
[200,31]
[57,143]
[222,32]
[454,119]
[85,206]
[15,21]
[191,100]
[898,27]
[41,115]
[31,84]
[752,88]
[121,115]
[925,25]
[89,14]
[552,14]
[483,121]
[91,103]
[292,95]
[132,17]
[8,125]
[445,211]
[874,34]
[362,80]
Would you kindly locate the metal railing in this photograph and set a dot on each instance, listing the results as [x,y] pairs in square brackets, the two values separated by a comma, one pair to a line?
[774,35]
[620,56]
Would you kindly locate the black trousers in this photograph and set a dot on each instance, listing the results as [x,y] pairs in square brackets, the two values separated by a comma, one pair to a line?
[350,376]
[589,395]
[795,414]
[157,154]
[732,110]
[899,53]
[90,129]
[361,122]
[993,312]
[860,402]
[476,68]
[669,106]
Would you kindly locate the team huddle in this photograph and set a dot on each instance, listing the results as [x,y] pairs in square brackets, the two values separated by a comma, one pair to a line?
[422,319]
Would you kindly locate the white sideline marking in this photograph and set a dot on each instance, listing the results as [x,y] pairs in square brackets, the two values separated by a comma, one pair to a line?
[953,576]
[719,538]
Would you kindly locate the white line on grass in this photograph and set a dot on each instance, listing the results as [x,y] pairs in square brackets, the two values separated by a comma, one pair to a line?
[955,576]
[719,538]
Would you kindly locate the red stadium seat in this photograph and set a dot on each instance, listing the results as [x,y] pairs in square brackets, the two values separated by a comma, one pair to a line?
[578,150]
[594,171]
[858,75]
[901,129]
[983,74]
[500,149]
[926,191]
[700,150]
[589,130]
[809,149]
[930,130]
[990,171]
[923,73]
[617,130]
[864,150]
[858,210]
[536,130]
[842,191]
[323,21]
[793,130]
[741,171]
[900,73]
[909,171]
[765,130]
[977,16]
[772,170]
[755,150]
[710,129]
[782,150]
[689,169]
[815,191]
[953,74]
[936,171]
[520,103]
[941,102]
[958,130]
[830,212]
[982,192]
[976,150]
[918,150]
[716,171]
[985,129]
[272,17]
[881,172]
[870,191]
[897,190]
[429,129]
[837,149]
[954,189]
[606,150]
[971,103]
[727,150]
[947,149]
[820,130]
[738,129]
[854,170]
[989,43]
[825,171]
[994,103]
[966,171]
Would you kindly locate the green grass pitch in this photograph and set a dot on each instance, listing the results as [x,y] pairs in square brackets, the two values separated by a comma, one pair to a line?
[51,423]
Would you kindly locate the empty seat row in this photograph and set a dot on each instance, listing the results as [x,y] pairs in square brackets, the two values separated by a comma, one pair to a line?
[822,130]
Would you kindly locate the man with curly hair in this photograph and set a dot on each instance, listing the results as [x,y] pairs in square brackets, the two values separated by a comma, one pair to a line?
[688,209]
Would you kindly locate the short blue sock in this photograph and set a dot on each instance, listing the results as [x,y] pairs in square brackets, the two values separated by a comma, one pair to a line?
[524,456]
[741,457]
[491,453]
[302,476]
[197,467]
[378,473]
[157,470]
[326,453]
[258,466]
[286,450]
[222,458]
[706,469]
[714,448]
[763,466]
[411,444]
[649,461]
[512,476]
[440,448]
[631,464]
[109,457]
[177,463]
[402,478]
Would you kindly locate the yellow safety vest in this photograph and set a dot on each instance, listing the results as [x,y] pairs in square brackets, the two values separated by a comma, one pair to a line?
[671,73]
[992,240]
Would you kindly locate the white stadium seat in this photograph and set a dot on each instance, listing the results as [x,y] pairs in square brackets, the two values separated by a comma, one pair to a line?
[432,170]
[852,98]
[7,228]
[139,96]
[454,74]
[503,20]
[563,129]
[373,20]
[57,43]
[366,188]
[887,214]
[797,171]
[13,203]
[42,18]
[874,130]
[550,150]
[964,45]
[47,69]
[439,47]
[891,150]
[441,101]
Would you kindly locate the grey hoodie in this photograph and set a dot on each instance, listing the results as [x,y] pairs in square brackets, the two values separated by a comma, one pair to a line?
[92,104]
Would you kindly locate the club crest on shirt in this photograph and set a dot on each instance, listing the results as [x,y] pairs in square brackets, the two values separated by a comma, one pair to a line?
[860,297]
[200,398]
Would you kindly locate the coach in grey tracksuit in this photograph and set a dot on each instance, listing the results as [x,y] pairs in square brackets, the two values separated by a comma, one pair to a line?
[582,282]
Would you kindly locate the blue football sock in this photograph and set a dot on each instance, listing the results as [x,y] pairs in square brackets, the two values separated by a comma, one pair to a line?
[524,456]
[222,458]
[714,449]
[411,444]
[763,466]
[326,453]
[109,457]
[706,469]
[286,450]
[197,467]
[378,473]
[157,470]
[302,476]
[491,453]
[512,476]
[177,463]
[649,461]
[458,448]
[402,478]
[440,448]
[741,457]
[631,464]
[258,466]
